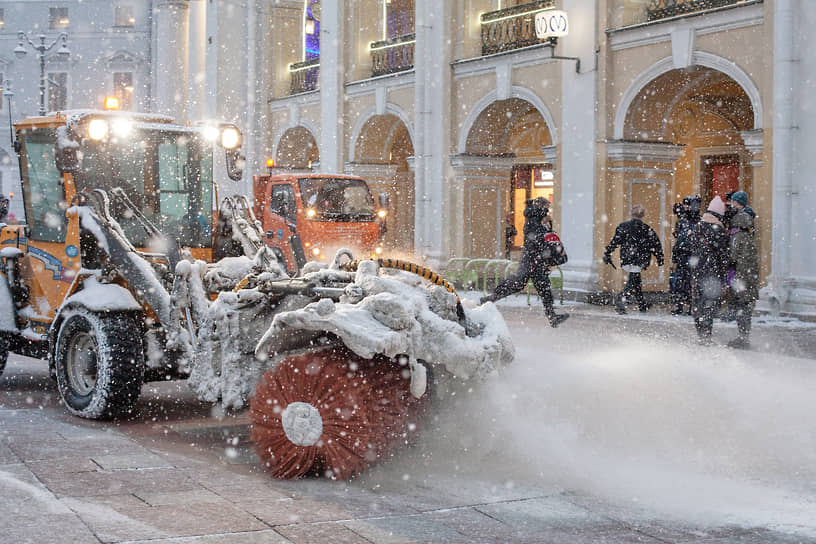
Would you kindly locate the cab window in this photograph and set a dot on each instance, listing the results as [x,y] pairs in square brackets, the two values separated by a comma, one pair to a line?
[44,191]
[282,202]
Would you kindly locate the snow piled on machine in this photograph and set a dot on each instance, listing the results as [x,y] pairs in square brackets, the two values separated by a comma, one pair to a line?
[380,311]
[394,313]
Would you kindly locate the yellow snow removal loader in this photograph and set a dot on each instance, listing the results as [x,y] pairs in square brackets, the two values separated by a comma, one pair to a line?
[125,271]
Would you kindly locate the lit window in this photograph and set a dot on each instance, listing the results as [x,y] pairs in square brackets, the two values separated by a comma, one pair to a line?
[123,89]
[123,16]
[58,17]
[2,19]
[2,90]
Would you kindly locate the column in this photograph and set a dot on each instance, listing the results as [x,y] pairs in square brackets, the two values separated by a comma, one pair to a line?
[432,131]
[577,141]
[197,84]
[331,86]
[170,71]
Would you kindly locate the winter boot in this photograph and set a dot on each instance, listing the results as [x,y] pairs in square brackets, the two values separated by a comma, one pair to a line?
[740,342]
[488,298]
[557,319]
[645,306]
[677,310]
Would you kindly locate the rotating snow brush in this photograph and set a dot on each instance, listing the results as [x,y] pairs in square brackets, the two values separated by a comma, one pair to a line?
[331,412]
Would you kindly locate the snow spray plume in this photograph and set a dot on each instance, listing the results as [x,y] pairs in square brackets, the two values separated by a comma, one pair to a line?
[696,435]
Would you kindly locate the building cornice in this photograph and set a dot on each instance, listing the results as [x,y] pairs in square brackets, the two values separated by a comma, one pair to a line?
[397,80]
[716,20]
[623,150]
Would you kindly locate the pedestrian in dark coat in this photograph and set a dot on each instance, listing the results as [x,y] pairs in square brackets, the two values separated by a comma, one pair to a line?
[542,249]
[744,260]
[708,263]
[688,216]
[637,242]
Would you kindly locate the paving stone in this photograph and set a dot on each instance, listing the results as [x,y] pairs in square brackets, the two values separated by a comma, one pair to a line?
[406,529]
[545,513]
[57,528]
[135,460]
[269,536]
[480,527]
[53,447]
[7,456]
[22,495]
[50,467]
[118,482]
[254,490]
[287,512]
[180,497]
[113,523]
[325,533]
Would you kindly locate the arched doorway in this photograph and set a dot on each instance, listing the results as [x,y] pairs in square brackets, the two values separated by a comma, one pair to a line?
[509,137]
[684,133]
[297,150]
[381,154]
[707,112]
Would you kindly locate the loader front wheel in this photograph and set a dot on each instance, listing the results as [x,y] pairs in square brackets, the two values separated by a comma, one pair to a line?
[330,412]
[99,364]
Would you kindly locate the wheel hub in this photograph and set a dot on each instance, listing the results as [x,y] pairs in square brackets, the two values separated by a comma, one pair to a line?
[81,364]
[302,424]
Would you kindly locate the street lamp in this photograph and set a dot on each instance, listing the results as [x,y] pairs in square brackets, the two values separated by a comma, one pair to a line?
[41,49]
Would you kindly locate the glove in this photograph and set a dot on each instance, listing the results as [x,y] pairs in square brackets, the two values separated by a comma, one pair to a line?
[607,259]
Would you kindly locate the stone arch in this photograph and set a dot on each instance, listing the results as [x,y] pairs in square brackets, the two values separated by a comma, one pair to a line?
[492,97]
[701,58]
[380,152]
[367,115]
[296,148]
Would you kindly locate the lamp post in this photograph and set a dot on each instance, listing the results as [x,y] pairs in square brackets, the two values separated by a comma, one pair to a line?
[42,48]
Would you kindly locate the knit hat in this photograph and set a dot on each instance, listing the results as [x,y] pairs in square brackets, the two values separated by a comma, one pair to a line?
[717,206]
[740,198]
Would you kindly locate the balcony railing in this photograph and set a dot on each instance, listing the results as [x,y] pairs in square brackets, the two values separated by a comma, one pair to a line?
[393,55]
[661,9]
[304,76]
[511,28]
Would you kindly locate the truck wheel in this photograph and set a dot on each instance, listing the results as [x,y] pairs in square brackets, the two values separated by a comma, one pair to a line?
[331,412]
[99,364]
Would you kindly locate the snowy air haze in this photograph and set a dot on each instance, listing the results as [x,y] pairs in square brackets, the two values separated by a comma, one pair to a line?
[650,425]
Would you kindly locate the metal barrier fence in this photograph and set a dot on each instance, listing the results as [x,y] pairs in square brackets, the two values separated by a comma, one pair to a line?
[484,274]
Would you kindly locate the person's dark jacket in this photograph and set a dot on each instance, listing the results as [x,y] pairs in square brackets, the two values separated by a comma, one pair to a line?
[743,259]
[637,242]
[709,251]
[682,238]
[542,248]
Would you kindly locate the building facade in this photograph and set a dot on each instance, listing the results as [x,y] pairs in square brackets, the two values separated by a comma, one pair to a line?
[459,112]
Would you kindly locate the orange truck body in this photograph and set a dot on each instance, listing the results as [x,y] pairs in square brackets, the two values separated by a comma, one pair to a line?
[326,211]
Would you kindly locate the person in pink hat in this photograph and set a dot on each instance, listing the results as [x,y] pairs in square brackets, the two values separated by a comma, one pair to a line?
[708,263]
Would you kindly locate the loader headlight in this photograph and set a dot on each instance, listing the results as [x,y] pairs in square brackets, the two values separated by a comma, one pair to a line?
[315,251]
[211,133]
[378,250]
[230,138]
[98,129]
[381,214]
[122,127]
[310,213]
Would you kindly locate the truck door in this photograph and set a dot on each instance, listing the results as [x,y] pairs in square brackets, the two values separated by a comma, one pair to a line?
[52,246]
[280,219]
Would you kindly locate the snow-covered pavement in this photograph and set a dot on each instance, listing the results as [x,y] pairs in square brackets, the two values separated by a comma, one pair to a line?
[607,429]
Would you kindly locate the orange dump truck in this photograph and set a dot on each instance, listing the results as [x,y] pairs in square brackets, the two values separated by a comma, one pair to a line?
[320,213]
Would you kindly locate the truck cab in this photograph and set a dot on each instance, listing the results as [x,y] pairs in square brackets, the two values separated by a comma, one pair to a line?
[325,212]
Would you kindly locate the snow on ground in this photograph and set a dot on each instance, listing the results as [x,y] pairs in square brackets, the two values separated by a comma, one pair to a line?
[655,424]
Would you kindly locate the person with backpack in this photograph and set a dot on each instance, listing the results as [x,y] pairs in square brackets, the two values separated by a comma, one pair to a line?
[637,242]
[542,250]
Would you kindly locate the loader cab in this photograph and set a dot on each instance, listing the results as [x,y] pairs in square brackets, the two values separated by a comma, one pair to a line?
[326,212]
